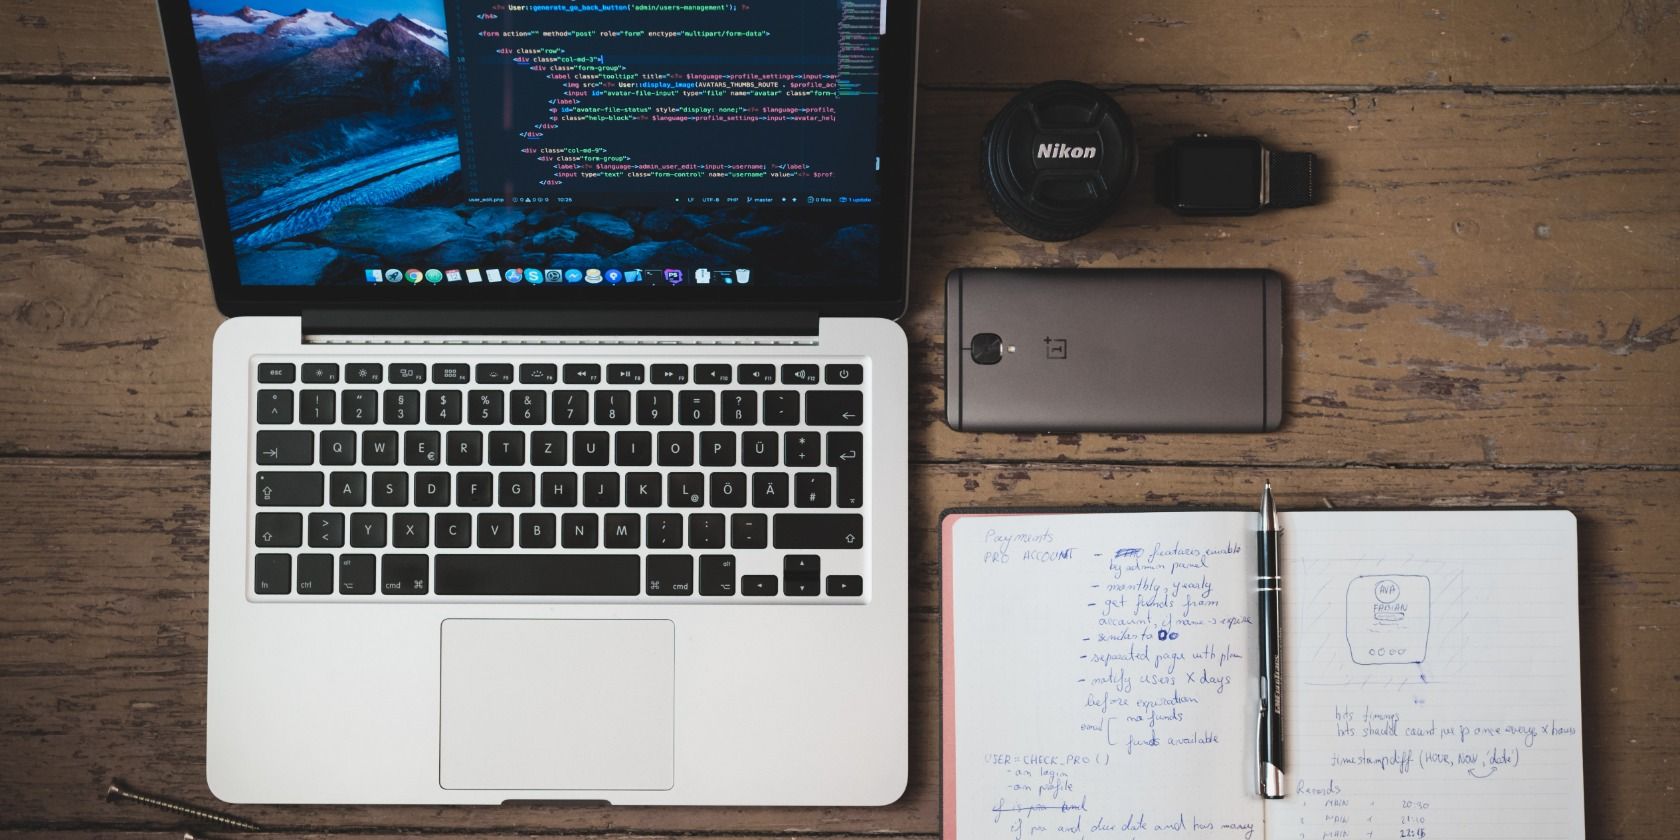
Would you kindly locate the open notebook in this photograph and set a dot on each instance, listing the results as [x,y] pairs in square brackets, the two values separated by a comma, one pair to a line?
[1099,676]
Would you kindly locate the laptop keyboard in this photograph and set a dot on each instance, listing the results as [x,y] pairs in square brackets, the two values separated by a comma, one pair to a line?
[710,480]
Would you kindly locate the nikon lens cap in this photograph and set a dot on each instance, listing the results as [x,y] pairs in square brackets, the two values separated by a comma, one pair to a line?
[1057,158]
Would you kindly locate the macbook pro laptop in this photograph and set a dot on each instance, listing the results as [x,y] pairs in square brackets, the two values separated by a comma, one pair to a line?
[559,437]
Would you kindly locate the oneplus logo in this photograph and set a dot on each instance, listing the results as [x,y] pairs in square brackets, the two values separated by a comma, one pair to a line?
[1055,348]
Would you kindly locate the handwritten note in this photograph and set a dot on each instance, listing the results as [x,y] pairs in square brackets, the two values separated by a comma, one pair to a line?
[1104,676]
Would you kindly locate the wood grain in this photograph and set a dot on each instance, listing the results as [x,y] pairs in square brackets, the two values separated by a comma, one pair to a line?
[1312,43]
[1494,279]
[102,640]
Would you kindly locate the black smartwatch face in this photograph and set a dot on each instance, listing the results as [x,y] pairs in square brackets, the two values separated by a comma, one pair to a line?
[1219,175]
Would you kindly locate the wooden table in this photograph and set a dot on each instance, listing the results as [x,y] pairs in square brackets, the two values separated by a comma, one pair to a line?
[1483,312]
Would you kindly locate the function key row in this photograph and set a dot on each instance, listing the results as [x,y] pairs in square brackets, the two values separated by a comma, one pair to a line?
[458,373]
[561,407]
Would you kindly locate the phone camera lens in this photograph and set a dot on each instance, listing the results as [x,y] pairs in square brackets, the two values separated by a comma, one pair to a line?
[986,349]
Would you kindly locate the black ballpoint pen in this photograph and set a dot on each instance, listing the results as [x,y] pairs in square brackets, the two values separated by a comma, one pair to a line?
[1269,740]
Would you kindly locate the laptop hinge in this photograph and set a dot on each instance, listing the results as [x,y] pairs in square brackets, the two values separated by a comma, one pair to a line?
[579,322]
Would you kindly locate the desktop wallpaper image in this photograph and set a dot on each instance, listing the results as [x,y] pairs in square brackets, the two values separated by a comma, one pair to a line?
[337,136]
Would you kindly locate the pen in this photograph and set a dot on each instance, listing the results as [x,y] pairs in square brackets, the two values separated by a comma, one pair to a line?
[1269,736]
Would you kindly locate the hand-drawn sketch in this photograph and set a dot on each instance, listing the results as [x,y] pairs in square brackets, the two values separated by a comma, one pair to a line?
[1388,619]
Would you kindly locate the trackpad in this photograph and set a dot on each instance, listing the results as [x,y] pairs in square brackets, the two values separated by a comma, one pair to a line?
[557,705]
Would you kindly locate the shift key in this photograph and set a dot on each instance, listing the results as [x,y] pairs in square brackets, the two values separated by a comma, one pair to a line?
[818,530]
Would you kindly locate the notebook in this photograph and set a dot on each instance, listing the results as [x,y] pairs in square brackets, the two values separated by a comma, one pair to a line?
[1100,679]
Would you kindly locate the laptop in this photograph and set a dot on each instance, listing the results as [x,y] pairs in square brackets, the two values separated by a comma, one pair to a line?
[559,439]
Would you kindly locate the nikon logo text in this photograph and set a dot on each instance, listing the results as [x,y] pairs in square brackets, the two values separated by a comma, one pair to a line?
[1063,150]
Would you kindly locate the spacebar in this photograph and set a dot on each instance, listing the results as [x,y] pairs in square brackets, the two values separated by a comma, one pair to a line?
[538,574]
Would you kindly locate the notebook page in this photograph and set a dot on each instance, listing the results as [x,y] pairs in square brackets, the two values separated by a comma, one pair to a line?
[1432,676]
[1099,676]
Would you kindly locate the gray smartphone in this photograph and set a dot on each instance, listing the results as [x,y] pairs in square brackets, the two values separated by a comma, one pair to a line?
[1111,350]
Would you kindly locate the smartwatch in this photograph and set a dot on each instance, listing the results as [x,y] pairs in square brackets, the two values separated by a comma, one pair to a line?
[1231,176]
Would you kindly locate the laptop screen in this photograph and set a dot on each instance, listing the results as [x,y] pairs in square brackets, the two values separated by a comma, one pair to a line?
[414,150]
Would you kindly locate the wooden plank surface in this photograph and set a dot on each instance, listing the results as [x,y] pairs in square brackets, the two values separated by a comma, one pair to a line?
[1493,279]
[102,641]
[1014,42]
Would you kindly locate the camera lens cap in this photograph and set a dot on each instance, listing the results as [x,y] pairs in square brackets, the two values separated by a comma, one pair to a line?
[1057,158]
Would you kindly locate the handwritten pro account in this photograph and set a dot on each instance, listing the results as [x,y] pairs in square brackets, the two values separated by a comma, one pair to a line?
[1099,676]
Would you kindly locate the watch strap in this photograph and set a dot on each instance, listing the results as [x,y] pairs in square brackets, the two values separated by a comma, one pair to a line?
[1291,179]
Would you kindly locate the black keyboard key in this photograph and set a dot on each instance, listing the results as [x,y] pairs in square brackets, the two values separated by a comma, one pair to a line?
[279,530]
[756,374]
[758,585]
[474,489]
[801,449]
[451,374]
[739,408]
[402,408]
[443,408]
[580,530]
[528,408]
[685,489]
[494,374]
[670,574]
[802,587]
[781,408]
[338,448]
[347,489]
[291,449]
[834,408]
[326,530]
[431,489]
[571,408]
[536,530]
[410,530]
[749,530]
[317,407]
[812,490]
[624,374]
[801,565]
[364,373]
[600,489]
[676,449]
[559,489]
[274,407]
[422,448]
[517,489]
[711,374]
[642,489]
[356,574]
[654,408]
[539,574]
[589,449]
[632,449]
[670,375]
[799,374]
[379,449]
[612,408]
[453,530]
[548,449]
[390,489]
[403,574]
[276,372]
[717,449]
[818,530]
[324,373]
[664,530]
[845,586]
[495,530]
[760,449]
[361,407]
[539,374]
[729,489]
[583,374]
[273,574]
[289,489]
[843,374]
[845,455]
[717,574]
[705,530]
[367,530]
[507,449]
[696,408]
[770,490]
[464,449]
[622,530]
[408,373]
[484,408]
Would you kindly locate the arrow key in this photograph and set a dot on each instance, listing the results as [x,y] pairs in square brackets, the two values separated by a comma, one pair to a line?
[834,408]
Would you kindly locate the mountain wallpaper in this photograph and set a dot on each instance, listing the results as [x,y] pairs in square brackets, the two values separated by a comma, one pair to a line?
[339,152]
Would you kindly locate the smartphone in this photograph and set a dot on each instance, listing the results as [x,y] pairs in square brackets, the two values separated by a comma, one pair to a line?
[1113,350]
